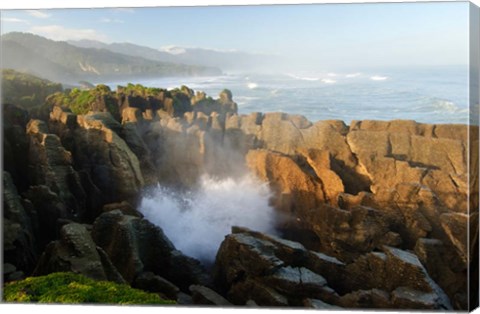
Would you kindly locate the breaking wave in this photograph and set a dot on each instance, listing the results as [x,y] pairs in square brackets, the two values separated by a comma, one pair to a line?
[328,81]
[303,78]
[197,221]
[352,75]
[378,78]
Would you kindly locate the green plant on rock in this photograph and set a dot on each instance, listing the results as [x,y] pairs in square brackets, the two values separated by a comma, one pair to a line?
[81,101]
[227,93]
[59,99]
[139,90]
[73,288]
[102,89]
[81,104]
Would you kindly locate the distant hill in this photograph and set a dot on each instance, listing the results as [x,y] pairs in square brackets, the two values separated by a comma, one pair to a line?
[225,60]
[61,61]
[128,49]
[18,57]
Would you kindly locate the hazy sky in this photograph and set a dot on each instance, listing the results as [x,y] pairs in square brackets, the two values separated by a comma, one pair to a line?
[338,35]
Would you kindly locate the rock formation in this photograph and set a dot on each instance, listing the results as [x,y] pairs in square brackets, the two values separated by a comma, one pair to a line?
[375,214]
[276,272]
[136,246]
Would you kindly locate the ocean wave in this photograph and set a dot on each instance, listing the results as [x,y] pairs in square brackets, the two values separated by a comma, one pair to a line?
[378,78]
[440,106]
[309,78]
[198,221]
[303,78]
[328,81]
[252,85]
[242,100]
[352,75]
[443,105]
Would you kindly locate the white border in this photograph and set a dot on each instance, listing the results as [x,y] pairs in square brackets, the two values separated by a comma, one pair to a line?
[46,4]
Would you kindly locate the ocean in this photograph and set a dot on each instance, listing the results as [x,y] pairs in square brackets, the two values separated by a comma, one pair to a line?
[424,94]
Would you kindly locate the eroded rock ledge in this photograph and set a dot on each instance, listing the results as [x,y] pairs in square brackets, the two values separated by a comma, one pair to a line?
[375,213]
[275,272]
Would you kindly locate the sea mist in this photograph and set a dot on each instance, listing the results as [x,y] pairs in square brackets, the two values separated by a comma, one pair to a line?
[197,221]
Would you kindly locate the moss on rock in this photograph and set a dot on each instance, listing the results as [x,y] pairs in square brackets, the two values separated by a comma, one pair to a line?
[72,288]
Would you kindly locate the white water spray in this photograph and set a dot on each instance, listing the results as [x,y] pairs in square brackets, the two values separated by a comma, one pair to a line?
[197,221]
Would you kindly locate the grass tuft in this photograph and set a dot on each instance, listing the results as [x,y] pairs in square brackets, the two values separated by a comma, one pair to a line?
[73,288]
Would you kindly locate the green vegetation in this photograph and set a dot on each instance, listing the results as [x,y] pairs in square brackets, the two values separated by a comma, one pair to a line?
[139,90]
[26,90]
[227,93]
[72,288]
[39,96]
[83,101]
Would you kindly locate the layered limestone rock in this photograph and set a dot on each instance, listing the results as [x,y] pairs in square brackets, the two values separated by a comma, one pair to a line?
[51,165]
[111,154]
[393,158]
[19,241]
[76,252]
[15,144]
[275,272]
[148,281]
[297,192]
[114,168]
[131,133]
[135,246]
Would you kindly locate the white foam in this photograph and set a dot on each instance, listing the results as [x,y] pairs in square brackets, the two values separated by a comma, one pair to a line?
[241,100]
[352,75]
[309,78]
[446,106]
[378,78]
[303,78]
[328,81]
[197,222]
[252,85]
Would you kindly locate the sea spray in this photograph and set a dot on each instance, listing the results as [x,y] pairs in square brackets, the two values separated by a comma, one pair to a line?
[197,221]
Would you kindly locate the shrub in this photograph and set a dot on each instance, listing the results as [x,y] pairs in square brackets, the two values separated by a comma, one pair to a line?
[72,288]
[81,104]
[227,93]
[139,90]
[82,101]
